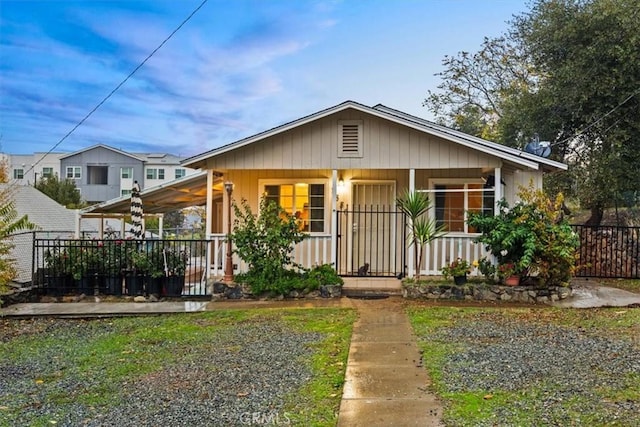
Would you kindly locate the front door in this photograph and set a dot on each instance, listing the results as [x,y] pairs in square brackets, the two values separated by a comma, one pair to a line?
[369,232]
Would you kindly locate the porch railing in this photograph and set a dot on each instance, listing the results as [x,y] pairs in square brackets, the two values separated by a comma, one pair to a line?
[314,250]
[446,249]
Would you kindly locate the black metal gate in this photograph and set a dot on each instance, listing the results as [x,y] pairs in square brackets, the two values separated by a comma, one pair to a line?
[608,251]
[371,241]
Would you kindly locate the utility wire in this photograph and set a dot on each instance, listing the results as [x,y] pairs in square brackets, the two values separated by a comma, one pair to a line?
[119,85]
[586,128]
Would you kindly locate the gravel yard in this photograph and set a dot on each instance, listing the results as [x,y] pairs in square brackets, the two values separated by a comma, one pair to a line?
[537,368]
[242,374]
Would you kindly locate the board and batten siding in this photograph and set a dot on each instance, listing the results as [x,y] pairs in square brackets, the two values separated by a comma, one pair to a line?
[386,145]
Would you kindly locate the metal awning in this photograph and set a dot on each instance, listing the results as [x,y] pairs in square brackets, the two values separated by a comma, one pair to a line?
[184,192]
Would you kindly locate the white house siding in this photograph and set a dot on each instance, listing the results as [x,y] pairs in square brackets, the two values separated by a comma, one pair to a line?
[386,146]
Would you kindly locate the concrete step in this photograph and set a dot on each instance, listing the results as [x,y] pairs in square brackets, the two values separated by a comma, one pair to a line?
[371,286]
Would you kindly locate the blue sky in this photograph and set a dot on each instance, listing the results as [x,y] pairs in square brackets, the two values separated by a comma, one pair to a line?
[236,68]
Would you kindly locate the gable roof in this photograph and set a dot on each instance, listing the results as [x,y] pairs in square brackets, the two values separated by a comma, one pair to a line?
[43,211]
[84,150]
[507,153]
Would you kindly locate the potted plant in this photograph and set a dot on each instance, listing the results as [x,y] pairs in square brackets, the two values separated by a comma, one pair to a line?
[137,266]
[508,273]
[156,271]
[58,270]
[175,263]
[113,261]
[458,269]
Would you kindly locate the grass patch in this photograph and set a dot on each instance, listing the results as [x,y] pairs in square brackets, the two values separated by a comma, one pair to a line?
[53,368]
[584,393]
[630,285]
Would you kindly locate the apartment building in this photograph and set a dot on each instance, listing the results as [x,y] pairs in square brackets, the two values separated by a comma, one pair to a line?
[100,172]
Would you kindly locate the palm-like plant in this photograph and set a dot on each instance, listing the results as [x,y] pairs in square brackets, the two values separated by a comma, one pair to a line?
[422,229]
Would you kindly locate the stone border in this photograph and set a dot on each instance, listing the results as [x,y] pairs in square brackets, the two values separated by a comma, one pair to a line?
[486,292]
[224,291]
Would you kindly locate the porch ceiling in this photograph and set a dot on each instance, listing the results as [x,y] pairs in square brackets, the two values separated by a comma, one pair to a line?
[178,194]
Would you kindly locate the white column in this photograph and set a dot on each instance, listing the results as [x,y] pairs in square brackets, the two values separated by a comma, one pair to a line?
[410,260]
[334,217]
[208,223]
[77,225]
[497,189]
[160,226]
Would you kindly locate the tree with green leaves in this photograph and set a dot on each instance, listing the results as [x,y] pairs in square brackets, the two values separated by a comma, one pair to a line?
[10,223]
[422,229]
[569,71]
[63,192]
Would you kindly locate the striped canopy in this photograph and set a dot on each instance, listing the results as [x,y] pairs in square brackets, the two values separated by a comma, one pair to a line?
[136,211]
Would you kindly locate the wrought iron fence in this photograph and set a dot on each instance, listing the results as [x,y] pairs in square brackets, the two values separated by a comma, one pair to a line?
[121,267]
[608,251]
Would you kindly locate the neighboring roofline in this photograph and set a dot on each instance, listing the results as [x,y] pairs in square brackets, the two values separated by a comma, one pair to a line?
[133,156]
[491,148]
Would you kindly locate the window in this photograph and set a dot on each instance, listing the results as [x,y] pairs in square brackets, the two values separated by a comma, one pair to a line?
[305,201]
[98,175]
[153,173]
[18,173]
[47,172]
[73,172]
[125,192]
[180,173]
[350,138]
[453,200]
[126,173]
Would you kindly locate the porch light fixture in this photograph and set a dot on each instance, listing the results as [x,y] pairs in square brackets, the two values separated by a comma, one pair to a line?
[341,186]
[228,267]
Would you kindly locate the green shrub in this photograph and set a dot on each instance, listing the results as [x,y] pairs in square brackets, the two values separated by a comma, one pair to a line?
[265,243]
[531,237]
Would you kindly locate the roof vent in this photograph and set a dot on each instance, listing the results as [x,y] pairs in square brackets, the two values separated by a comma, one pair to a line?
[350,138]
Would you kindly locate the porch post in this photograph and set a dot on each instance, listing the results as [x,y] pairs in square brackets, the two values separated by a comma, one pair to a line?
[207,223]
[160,226]
[77,224]
[409,252]
[497,190]
[334,218]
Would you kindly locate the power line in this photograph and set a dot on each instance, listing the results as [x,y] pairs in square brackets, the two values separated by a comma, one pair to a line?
[119,85]
[581,131]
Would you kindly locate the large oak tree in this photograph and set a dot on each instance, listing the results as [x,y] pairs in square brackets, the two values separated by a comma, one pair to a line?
[569,71]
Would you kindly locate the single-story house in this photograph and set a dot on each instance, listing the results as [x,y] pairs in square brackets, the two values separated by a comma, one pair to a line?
[341,170]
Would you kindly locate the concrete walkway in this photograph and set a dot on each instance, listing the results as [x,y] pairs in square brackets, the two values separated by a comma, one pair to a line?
[385,383]
[589,294]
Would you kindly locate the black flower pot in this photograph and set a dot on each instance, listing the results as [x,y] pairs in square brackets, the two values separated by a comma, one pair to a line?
[460,280]
[173,286]
[154,285]
[113,285]
[134,284]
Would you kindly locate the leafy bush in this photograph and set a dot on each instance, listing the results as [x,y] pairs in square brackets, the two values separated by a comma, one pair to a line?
[530,238]
[265,243]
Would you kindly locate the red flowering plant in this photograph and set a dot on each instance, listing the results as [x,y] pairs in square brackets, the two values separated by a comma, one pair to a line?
[458,267]
[506,269]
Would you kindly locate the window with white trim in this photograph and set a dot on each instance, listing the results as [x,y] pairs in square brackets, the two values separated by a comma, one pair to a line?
[179,173]
[452,200]
[126,173]
[125,192]
[18,173]
[305,201]
[153,173]
[74,172]
[350,138]
[47,172]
